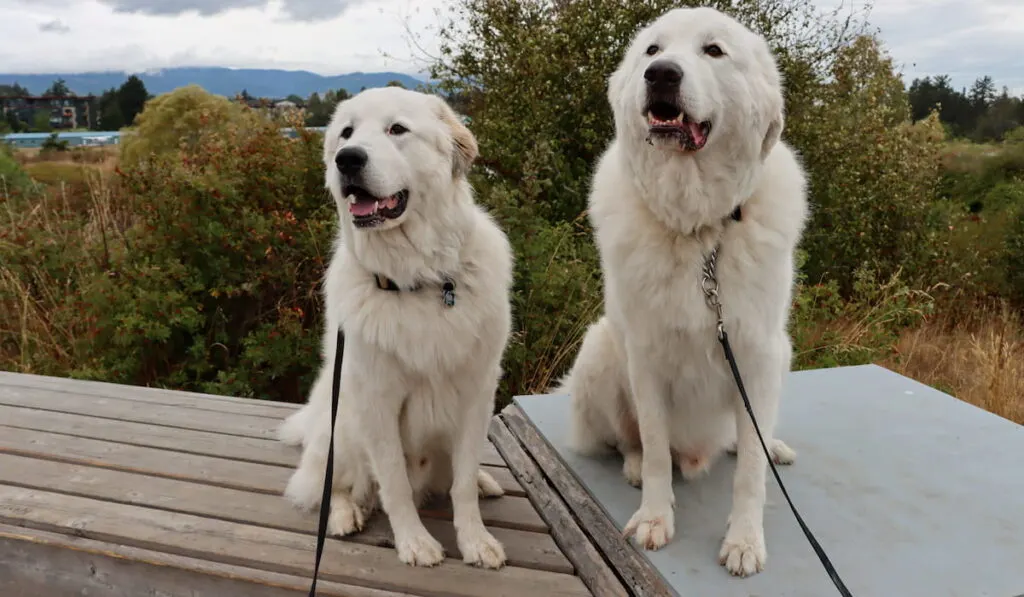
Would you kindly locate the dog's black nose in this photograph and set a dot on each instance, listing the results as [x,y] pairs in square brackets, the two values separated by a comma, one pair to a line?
[663,75]
[351,160]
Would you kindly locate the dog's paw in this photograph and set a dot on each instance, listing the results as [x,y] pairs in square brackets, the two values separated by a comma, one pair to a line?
[292,430]
[305,488]
[419,549]
[346,516]
[781,453]
[743,550]
[632,468]
[486,486]
[652,528]
[480,548]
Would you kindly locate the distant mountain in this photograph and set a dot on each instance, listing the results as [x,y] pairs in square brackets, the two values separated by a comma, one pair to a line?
[222,81]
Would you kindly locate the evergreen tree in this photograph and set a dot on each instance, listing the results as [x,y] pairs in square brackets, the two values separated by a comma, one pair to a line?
[131,98]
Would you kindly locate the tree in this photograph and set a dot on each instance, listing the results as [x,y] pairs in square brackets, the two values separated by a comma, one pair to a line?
[59,88]
[395,83]
[110,116]
[13,122]
[41,122]
[131,97]
[535,73]
[14,90]
[181,121]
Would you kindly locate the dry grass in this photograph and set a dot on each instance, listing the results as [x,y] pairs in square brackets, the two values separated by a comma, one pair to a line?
[76,206]
[979,359]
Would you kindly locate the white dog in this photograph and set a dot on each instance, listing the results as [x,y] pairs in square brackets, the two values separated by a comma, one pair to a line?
[696,163]
[419,282]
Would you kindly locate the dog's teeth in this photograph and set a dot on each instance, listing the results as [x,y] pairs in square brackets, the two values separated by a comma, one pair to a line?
[376,205]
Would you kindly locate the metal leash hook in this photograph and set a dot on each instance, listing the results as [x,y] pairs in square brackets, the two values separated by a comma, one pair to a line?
[709,285]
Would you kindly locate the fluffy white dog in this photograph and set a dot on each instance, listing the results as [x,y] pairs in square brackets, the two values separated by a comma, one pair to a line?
[696,163]
[419,282]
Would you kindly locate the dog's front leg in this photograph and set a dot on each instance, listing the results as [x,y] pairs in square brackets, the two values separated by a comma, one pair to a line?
[477,545]
[743,551]
[383,446]
[654,522]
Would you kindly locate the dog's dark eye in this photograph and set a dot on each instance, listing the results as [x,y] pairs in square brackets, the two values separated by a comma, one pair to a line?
[714,51]
[653,49]
[397,129]
[346,132]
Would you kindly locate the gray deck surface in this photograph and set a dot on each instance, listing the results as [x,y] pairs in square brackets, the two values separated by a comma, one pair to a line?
[912,492]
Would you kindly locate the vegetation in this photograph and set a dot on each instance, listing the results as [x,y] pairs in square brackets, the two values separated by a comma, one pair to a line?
[192,260]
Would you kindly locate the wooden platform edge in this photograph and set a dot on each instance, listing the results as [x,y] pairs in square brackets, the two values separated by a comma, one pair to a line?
[590,565]
[636,572]
[35,563]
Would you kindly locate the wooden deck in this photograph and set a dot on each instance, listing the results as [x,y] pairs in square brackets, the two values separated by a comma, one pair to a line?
[117,491]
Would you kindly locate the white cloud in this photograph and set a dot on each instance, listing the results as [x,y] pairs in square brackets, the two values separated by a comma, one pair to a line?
[323,36]
[962,38]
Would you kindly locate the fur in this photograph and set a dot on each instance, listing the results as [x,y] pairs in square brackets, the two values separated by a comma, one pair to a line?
[650,379]
[418,377]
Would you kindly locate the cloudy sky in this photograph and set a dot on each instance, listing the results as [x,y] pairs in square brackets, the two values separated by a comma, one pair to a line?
[963,38]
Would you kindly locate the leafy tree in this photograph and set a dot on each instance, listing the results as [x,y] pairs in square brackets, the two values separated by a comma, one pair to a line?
[395,83]
[131,98]
[180,121]
[13,123]
[59,88]
[41,122]
[14,90]
[532,75]
[111,118]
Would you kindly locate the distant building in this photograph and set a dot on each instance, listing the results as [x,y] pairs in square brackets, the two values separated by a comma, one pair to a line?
[63,112]
[74,139]
[96,138]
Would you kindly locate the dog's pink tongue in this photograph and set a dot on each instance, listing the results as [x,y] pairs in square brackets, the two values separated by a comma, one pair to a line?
[696,133]
[362,207]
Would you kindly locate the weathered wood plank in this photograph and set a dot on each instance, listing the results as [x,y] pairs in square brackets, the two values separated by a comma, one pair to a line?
[141,412]
[268,549]
[36,563]
[146,394]
[153,424]
[590,565]
[640,576]
[247,449]
[525,549]
[509,511]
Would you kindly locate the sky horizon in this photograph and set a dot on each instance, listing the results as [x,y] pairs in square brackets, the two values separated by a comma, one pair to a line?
[964,39]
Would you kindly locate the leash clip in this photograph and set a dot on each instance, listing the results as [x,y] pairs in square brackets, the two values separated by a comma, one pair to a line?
[448,293]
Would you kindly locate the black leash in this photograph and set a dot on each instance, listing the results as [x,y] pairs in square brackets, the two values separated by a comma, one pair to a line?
[325,501]
[709,285]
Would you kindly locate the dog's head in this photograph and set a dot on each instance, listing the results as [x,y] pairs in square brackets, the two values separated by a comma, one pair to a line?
[697,81]
[391,152]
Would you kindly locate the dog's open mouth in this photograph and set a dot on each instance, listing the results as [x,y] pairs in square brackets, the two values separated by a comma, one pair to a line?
[369,210]
[668,121]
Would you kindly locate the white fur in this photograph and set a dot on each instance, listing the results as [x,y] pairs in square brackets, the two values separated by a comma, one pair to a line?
[651,372]
[418,378]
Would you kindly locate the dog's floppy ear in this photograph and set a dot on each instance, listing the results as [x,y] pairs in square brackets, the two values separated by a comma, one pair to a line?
[464,146]
[774,133]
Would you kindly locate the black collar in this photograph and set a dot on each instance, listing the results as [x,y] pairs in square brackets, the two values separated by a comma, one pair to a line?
[447,288]
[385,283]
